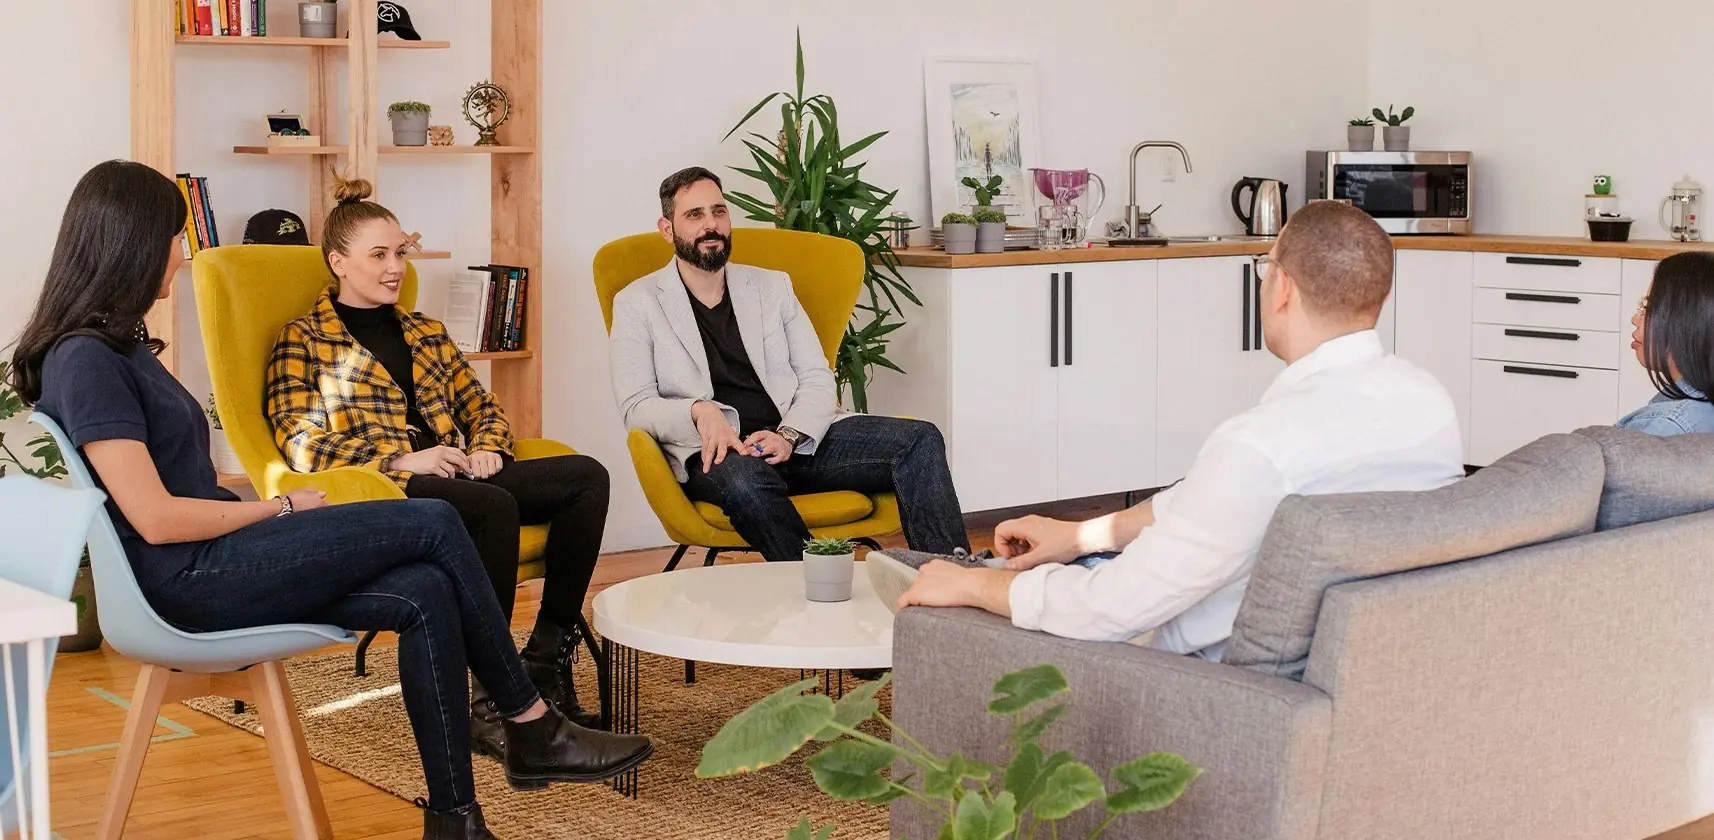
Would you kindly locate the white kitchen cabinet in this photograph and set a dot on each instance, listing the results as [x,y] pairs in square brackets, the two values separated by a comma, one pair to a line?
[1211,363]
[1635,389]
[1515,403]
[1434,291]
[1107,378]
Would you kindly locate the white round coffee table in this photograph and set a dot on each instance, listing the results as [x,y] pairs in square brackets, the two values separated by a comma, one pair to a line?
[750,614]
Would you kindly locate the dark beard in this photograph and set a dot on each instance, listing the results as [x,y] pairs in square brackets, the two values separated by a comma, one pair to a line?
[691,251]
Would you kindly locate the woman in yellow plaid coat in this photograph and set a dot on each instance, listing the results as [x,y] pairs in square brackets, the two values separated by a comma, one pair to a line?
[361,382]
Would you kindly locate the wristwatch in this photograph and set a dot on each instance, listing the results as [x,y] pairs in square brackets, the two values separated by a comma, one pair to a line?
[793,436]
[285,505]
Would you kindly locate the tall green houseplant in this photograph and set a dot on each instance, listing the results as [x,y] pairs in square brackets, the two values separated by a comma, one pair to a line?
[815,186]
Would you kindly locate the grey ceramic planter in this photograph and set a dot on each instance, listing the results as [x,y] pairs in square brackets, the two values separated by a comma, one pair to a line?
[1360,138]
[959,239]
[317,20]
[410,128]
[828,578]
[990,237]
[1396,138]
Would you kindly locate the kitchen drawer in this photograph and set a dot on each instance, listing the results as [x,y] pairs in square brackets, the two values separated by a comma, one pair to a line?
[1545,272]
[1513,404]
[1562,310]
[1572,348]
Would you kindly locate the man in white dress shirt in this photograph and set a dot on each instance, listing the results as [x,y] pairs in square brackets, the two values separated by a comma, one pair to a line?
[1344,416]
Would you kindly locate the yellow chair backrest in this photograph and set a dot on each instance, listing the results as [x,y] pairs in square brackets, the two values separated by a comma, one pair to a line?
[826,271]
[246,294]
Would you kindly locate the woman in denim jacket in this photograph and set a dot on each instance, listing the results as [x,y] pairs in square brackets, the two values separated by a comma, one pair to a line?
[1674,340]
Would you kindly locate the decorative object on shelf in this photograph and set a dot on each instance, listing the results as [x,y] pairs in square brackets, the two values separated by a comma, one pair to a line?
[392,17]
[440,135]
[1681,211]
[1360,135]
[900,226]
[982,118]
[410,123]
[1032,788]
[1395,135]
[225,460]
[806,151]
[289,130]
[828,567]
[487,106]
[990,230]
[1603,185]
[318,20]
[276,227]
[958,233]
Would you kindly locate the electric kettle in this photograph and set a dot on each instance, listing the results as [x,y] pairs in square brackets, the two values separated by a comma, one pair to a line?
[1266,212]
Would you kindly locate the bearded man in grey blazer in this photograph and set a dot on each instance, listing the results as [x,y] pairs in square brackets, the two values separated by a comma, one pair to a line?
[720,364]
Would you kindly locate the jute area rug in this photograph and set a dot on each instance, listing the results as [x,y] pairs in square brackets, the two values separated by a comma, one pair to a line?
[358,725]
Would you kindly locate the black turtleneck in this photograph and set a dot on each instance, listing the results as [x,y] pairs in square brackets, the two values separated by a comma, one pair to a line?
[378,330]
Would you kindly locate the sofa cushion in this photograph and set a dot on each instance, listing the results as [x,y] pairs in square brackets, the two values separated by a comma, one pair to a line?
[1547,490]
[1651,477]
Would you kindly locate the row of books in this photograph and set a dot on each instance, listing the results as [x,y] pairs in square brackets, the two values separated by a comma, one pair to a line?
[485,308]
[222,17]
[199,228]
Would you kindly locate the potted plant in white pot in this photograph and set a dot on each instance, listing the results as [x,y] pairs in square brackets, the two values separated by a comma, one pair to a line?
[225,460]
[1395,135]
[958,233]
[410,123]
[1360,135]
[828,567]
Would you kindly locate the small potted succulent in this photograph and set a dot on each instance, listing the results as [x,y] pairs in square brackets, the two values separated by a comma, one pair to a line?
[828,567]
[958,233]
[225,460]
[990,230]
[1395,135]
[410,123]
[1360,135]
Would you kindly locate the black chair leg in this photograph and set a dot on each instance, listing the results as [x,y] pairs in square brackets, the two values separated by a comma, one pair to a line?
[363,653]
[869,542]
[709,560]
[677,556]
[689,672]
[238,707]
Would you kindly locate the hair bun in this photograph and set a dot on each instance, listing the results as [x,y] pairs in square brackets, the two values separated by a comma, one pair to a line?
[352,191]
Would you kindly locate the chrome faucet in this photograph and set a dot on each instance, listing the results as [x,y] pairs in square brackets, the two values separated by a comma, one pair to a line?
[1137,222]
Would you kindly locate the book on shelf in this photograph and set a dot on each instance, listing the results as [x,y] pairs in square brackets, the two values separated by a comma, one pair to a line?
[200,230]
[485,308]
[222,17]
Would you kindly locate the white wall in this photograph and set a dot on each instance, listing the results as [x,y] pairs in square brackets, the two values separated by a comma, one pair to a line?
[1550,93]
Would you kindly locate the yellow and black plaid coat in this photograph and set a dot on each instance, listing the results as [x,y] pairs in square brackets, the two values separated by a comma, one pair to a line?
[333,404]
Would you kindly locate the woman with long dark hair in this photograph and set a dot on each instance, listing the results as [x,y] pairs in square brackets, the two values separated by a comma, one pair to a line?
[1673,338]
[207,561]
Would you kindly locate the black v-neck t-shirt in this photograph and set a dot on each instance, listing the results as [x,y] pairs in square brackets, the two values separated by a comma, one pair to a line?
[735,381]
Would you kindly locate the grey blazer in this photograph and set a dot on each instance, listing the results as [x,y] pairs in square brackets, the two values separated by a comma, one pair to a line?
[660,368]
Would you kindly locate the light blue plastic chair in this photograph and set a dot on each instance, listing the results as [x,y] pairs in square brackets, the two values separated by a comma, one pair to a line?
[178,666]
[45,526]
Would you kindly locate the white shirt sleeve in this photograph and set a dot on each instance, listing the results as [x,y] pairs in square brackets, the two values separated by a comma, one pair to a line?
[1204,537]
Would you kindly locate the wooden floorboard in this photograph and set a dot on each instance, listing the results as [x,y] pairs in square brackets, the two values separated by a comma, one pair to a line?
[217,784]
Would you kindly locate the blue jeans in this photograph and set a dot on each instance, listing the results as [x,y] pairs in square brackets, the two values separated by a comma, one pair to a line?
[1090,561]
[865,453]
[405,565]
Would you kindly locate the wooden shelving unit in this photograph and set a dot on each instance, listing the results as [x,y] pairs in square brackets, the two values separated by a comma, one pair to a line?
[515,236]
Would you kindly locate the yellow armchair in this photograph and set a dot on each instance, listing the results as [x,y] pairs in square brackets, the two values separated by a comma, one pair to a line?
[246,294]
[827,276]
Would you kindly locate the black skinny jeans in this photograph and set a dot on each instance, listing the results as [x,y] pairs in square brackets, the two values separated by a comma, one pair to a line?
[568,492]
[403,565]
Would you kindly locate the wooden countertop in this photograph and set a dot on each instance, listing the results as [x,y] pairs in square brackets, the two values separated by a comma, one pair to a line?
[1648,249]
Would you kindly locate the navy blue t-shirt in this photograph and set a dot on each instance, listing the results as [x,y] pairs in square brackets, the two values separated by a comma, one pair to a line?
[98,394]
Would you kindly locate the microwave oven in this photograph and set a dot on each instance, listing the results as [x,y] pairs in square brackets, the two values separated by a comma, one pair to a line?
[1406,192]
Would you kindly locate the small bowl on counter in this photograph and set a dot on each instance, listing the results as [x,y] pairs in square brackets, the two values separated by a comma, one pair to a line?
[1610,229]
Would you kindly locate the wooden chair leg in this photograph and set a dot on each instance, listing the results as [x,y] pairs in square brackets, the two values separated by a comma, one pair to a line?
[305,811]
[152,682]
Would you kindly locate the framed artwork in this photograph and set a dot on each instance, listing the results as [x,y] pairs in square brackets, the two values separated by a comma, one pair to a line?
[982,121]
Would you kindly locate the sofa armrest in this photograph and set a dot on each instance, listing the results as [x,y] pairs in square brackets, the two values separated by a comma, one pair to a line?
[1261,741]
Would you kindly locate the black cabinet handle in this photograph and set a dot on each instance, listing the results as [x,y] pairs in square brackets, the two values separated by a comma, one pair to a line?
[1258,321]
[1556,336]
[1557,374]
[1053,321]
[1543,298]
[1068,315]
[1562,262]
[1246,288]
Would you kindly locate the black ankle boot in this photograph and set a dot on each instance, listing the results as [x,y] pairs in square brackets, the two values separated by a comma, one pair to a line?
[487,735]
[547,661]
[462,824]
[553,749]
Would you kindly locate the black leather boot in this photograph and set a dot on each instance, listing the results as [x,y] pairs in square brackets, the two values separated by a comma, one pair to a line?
[463,824]
[487,735]
[553,749]
[547,662]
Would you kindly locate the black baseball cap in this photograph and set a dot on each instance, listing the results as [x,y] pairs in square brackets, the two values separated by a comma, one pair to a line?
[392,17]
[276,227]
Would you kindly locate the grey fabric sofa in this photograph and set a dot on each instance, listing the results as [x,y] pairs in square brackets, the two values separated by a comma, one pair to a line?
[1528,653]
